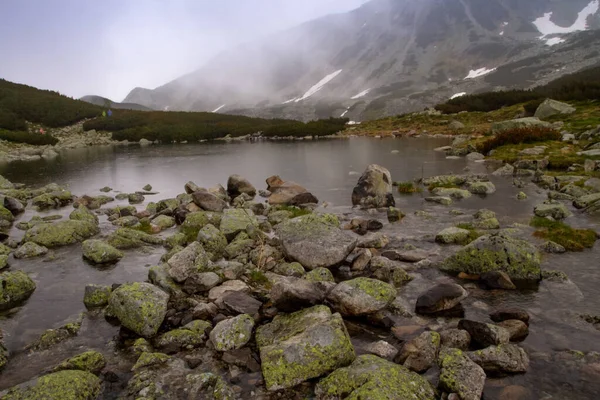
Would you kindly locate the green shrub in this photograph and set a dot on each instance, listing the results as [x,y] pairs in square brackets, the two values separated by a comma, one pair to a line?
[26,137]
[295,211]
[517,136]
[561,233]
[407,188]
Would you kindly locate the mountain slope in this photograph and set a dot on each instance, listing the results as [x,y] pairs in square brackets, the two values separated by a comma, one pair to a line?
[381,58]
[107,103]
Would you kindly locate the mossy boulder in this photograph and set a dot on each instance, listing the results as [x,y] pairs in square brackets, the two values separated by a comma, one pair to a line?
[15,287]
[30,250]
[557,211]
[361,296]
[194,222]
[147,359]
[96,295]
[315,240]
[83,214]
[159,276]
[319,275]
[140,307]
[179,339]
[374,188]
[164,222]
[62,385]
[236,220]
[452,235]
[127,221]
[301,346]
[54,336]
[90,361]
[460,375]
[498,252]
[290,269]
[232,333]
[100,252]
[371,377]
[61,233]
[213,240]
[481,188]
[189,261]
[125,238]
[242,245]
[54,199]
[454,193]
[445,180]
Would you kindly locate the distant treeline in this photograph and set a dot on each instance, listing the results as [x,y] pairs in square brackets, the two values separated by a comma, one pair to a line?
[192,126]
[580,86]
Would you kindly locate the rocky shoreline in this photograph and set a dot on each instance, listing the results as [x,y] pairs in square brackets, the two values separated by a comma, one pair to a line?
[263,299]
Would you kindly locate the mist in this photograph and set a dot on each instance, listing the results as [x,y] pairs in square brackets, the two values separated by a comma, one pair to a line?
[108,48]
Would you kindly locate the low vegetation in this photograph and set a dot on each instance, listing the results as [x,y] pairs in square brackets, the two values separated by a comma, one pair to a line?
[407,187]
[473,233]
[37,139]
[561,233]
[525,135]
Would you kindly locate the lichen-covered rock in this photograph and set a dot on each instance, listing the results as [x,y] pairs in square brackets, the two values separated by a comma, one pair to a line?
[53,336]
[371,377]
[188,337]
[62,385]
[61,233]
[54,199]
[315,240]
[497,252]
[208,201]
[159,276]
[389,271]
[460,375]
[587,201]
[190,260]
[140,307]
[551,107]
[135,198]
[236,185]
[30,250]
[15,287]
[420,353]
[236,220]
[301,346]
[90,361]
[452,235]
[96,295]
[319,275]
[147,359]
[485,334]
[294,269]
[125,238]
[455,338]
[374,188]
[439,298]
[361,296]
[164,222]
[481,188]
[454,193]
[127,221]
[445,180]
[382,349]
[212,240]
[232,333]
[292,294]
[83,214]
[505,358]
[557,211]
[100,252]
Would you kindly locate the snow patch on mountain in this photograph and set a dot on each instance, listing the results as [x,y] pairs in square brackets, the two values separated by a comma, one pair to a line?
[319,85]
[219,108]
[454,96]
[476,73]
[553,41]
[547,27]
[361,94]
[344,113]
[289,101]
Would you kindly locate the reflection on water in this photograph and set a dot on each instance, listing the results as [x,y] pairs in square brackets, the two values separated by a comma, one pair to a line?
[330,170]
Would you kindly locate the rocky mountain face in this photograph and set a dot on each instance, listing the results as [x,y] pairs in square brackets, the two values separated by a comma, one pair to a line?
[389,57]
[108,103]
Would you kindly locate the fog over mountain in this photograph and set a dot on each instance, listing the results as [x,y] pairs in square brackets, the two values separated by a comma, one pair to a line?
[390,56]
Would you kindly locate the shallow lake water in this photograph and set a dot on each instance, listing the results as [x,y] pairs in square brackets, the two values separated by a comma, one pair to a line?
[329,169]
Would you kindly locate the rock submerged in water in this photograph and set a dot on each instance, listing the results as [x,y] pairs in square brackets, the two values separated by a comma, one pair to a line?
[61,233]
[374,188]
[315,240]
[485,334]
[519,259]
[140,307]
[99,252]
[301,346]
[30,250]
[371,377]
[15,287]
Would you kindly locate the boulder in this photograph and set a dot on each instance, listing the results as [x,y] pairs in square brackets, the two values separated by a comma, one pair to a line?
[90,361]
[551,107]
[208,201]
[506,314]
[13,205]
[100,252]
[475,156]
[212,240]
[201,282]
[481,188]
[232,333]
[30,250]
[293,294]
[61,233]
[503,359]
[301,346]
[15,287]
[382,349]
[191,187]
[294,269]
[236,185]
[361,296]
[452,193]
[460,375]
[236,220]
[96,295]
[506,170]
[315,240]
[557,211]
[445,201]
[445,180]
[238,302]
[229,286]
[71,384]
[455,339]
[55,199]
[140,307]
[517,329]
[188,261]
[188,337]
[586,201]
[497,280]
[420,353]
[164,222]
[456,125]
[519,259]
[485,334]
[82,213]
[529,122]
[452,235]
[394,215]
[288,193]
[124,238]
[319,275]
[374,188]
[371,377]
[439,298]
[135,198]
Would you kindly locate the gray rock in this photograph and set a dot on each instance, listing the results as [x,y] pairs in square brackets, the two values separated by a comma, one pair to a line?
[586,201]
[551,107]
[236,185]
[506,358]
[455,338]
[319,275]
[517,329]
[374,188]
[420,353]
[361,259]
[439,298]
[232,333]
[506,170]
[315,241]
[452,235]
[208,201]
[502,126]
[460,375]
[212,240]
[135,198]
[238,302]
[506,314]
[140,307]
[230,286]
[294,269]
[361,296]
[61,233]
[164,222]
[445,201]
[475,156]
[288,193]
[15,287]
[394,215]
[557,211]
[301,346]
[30,250]
[451,192]
[96,295]
[186,262]
[382,349]
[456,125]
[485,334]
[236,220]
[497,280]
[201,282]
[481,188]
[292,294]
[100,252]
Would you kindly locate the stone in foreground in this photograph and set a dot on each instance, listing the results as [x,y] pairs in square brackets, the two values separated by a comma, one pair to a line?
[232,333]
[301,346]
[63,385]
[551,107]
[374,188]
[497,252]
[371,377]
[30,250]
[506,358]
[361,296]
[140,307]
[315,241]
[420,353]
[485,334]
[460,375]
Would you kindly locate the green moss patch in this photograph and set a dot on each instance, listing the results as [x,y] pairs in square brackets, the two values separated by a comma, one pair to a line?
[561,233]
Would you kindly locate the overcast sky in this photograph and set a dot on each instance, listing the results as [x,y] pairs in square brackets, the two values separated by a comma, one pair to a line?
[108,47]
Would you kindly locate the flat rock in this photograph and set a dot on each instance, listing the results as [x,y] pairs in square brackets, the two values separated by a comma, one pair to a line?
[506,358]
[361,296]
[485,334]
[440,298]
[506,314]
